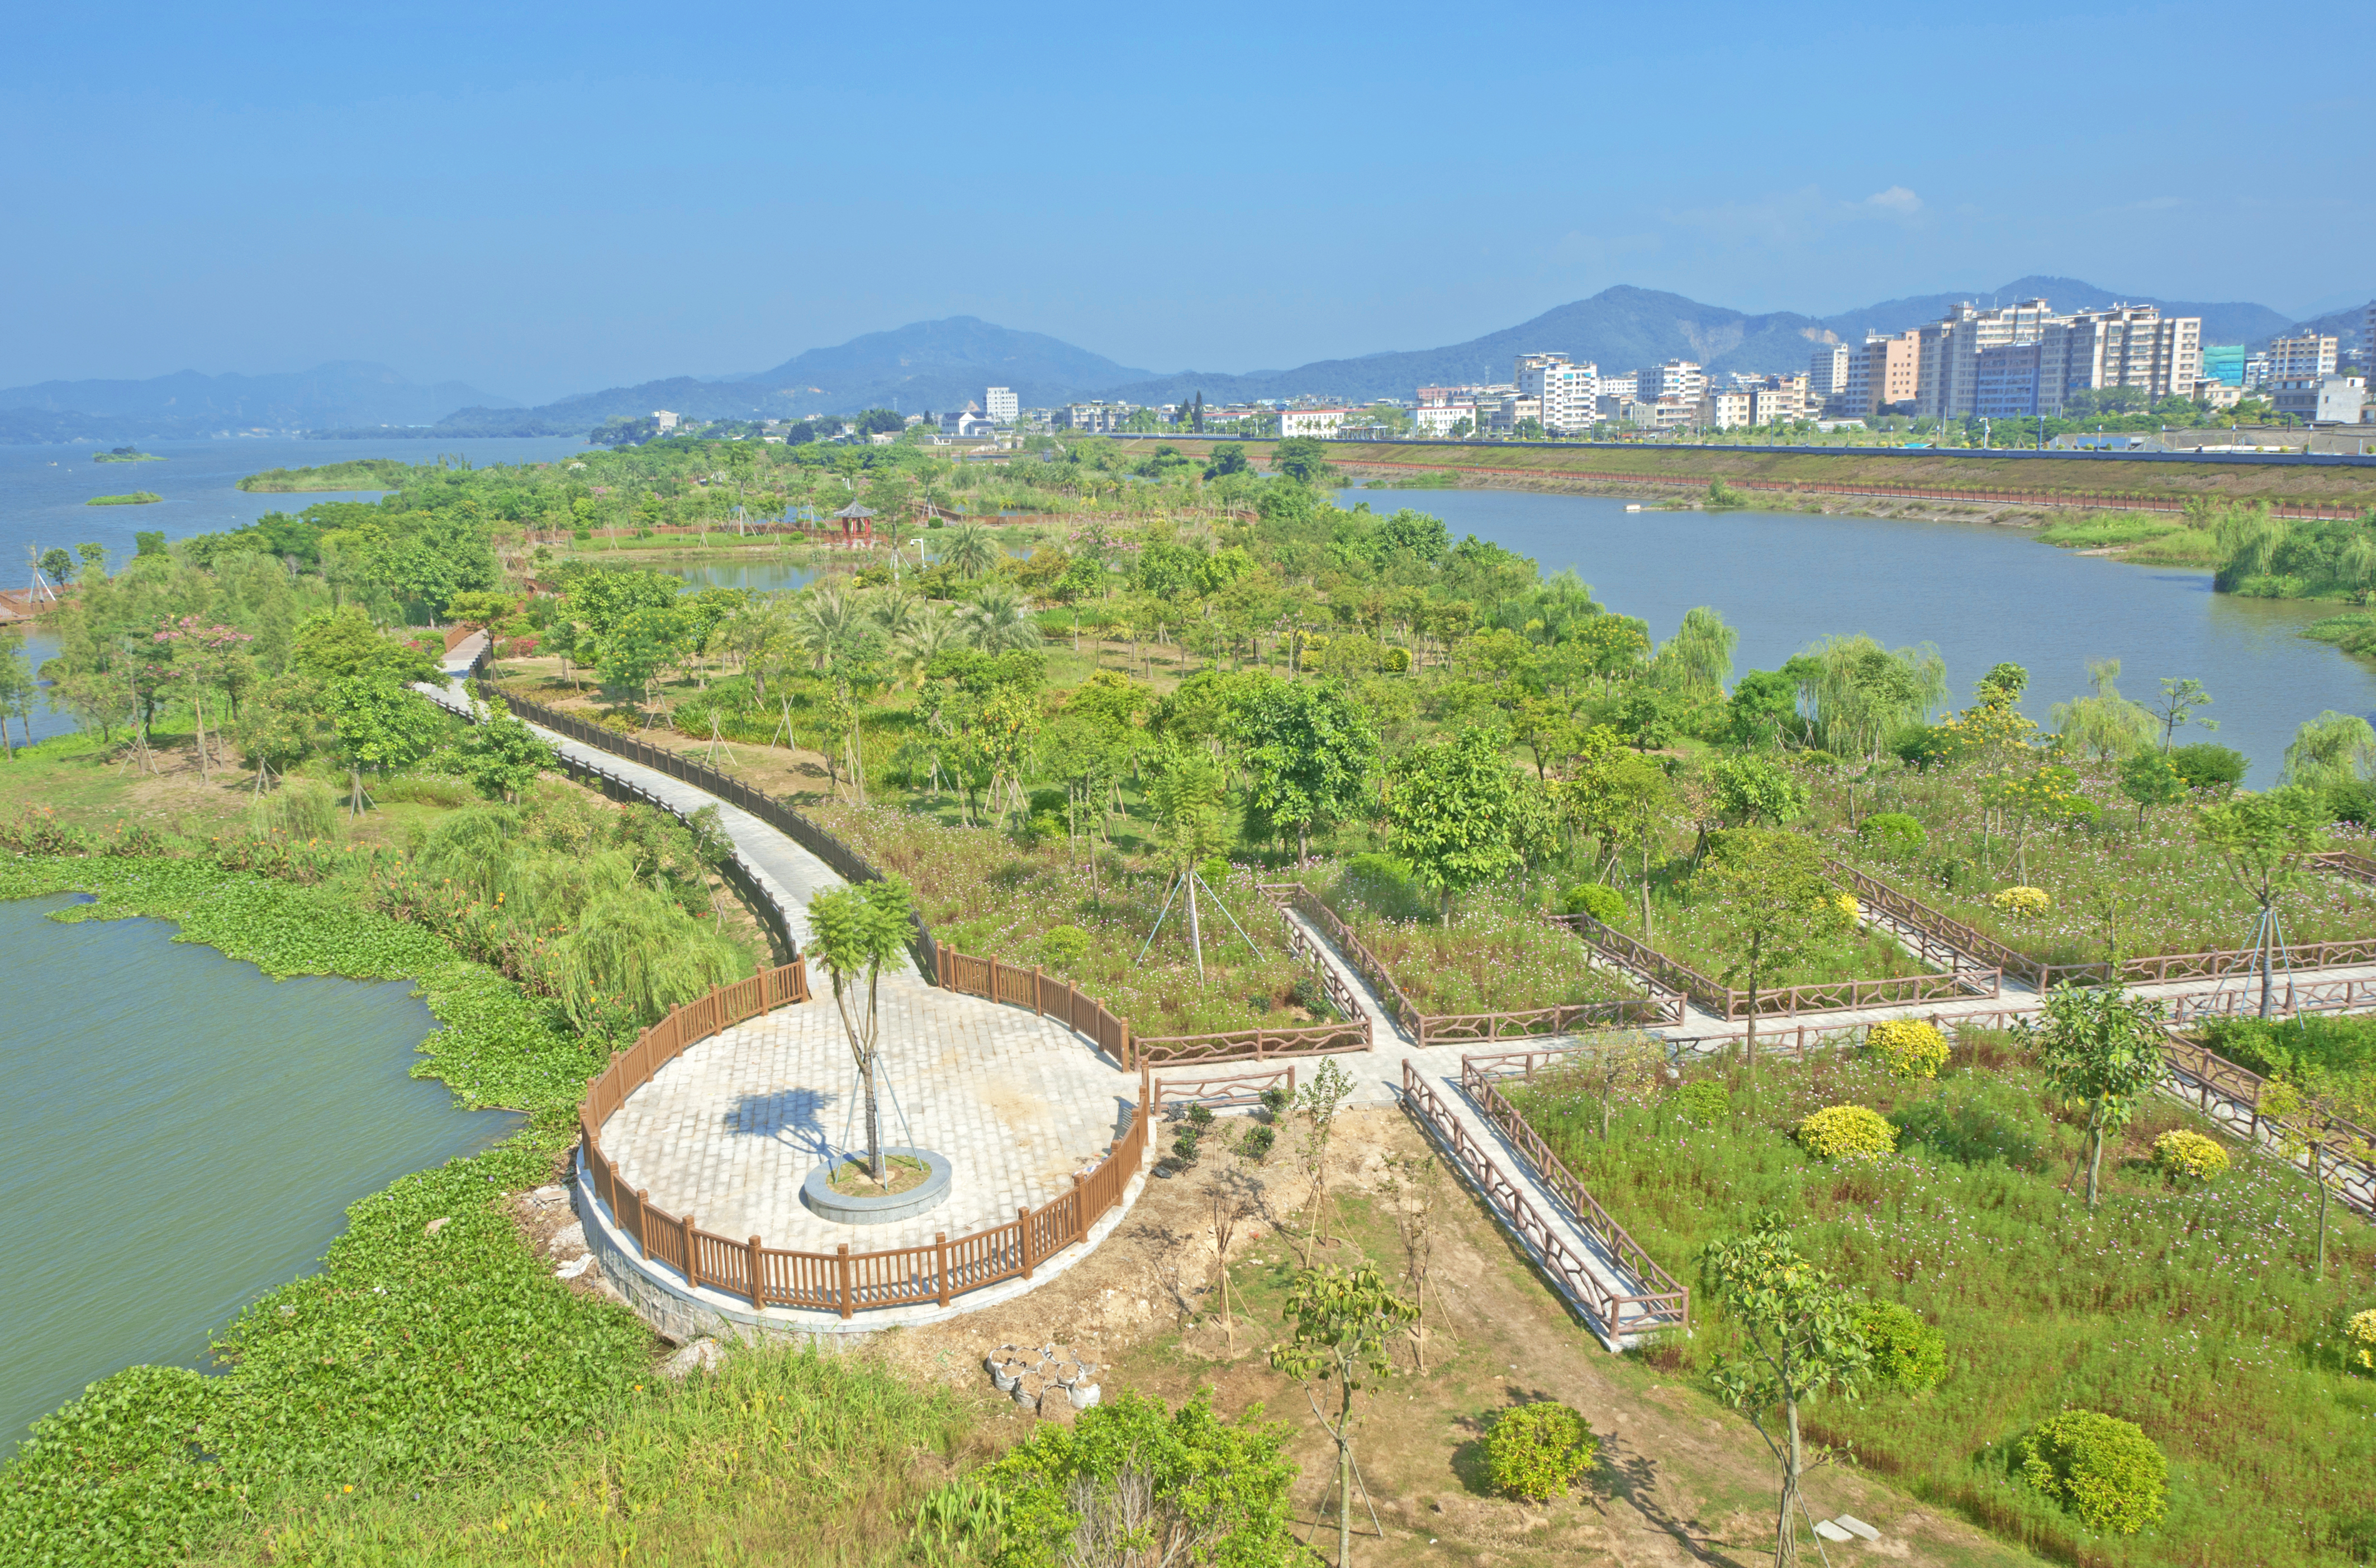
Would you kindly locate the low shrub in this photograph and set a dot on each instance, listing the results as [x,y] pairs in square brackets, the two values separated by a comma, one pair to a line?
[1597,899]
[2360,1335]
[2104,1469]
[1387,885]
[1061,947]
[1846,1132]
[36,830]
[1703,1102]
[1893,831]
[2182,1153]
[1848,905]
[1911,1048]
[1537,1451]
[2028,902]
[1908,1353]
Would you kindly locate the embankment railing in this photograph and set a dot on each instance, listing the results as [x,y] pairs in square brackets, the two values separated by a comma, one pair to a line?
[841,1282]
[1661,1303]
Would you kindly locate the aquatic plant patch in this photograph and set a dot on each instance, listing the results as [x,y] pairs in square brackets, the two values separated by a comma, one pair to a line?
[2190,1309]
[432,1345]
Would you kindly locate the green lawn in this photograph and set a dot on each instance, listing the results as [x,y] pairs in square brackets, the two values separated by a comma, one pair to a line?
[2191,1313]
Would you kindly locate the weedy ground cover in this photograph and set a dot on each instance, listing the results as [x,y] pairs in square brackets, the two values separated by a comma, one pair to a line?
[1685,928]
[781,1457]
[2334,1056]
[1493,953]
[2191,1311]
[2114,885]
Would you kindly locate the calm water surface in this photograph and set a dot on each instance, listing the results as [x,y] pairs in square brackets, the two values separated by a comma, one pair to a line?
[1982,594]
[184,1134]
[42,492]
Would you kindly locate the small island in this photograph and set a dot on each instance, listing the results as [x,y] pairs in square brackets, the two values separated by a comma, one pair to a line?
[359,473]
[137,498]
[125,455]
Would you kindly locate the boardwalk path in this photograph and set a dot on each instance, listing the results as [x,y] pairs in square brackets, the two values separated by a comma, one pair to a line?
[1018,1102]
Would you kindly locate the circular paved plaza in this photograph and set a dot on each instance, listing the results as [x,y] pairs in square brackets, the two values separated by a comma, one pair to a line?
[730,1130]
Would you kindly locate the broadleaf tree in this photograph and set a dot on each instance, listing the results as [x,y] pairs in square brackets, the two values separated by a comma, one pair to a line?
[2102,1046]
[855,931]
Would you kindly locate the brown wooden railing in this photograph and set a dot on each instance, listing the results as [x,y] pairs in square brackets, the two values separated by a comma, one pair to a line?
[2226,1092]
[2228,963]
[1087,1016]
[1820,996]
[842,1281]
[1662,1304]
[1235,1089]
[1662,1006]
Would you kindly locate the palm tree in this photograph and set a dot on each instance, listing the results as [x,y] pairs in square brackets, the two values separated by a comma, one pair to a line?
[827,622]
[998,621]
[899,612]
[969,549]
[934,633]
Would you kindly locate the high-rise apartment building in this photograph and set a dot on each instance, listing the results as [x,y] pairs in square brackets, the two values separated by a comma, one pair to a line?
[1883,375]
[1565,391]
[1000,404]
[2293,359]
[1948,381]
[2131,346]
[1676,378]
[1827,375]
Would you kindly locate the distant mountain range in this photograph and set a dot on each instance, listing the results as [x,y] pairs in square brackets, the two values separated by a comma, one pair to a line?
[935,365]
[344,392]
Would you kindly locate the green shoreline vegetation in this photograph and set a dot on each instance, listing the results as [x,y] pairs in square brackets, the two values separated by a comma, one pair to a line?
[1196,668]
[137,498]
[125,455]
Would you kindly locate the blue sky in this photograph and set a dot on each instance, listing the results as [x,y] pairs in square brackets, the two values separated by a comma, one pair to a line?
[553,200]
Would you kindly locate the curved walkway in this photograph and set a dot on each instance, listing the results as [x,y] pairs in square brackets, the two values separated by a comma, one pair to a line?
[727,1132]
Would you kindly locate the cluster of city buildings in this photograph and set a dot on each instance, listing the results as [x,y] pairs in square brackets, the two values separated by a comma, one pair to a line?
[2009,363]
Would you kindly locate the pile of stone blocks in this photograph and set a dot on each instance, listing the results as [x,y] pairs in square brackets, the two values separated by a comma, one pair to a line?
[1048,1379]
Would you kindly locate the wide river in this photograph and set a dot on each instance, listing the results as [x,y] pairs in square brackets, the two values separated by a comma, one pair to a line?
[184,1134]
[1982,594]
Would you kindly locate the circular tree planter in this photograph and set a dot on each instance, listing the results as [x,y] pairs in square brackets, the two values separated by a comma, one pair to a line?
[843,1208]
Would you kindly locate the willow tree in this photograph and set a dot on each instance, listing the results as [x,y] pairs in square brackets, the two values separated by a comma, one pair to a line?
[1860,694]
[2105,725]
[2335,748]
[1697,660]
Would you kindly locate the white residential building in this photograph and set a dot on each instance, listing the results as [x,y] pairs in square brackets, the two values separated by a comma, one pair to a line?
[665,420]
[1437,418]
[1565,390]
[1309,422]
[1827,375]
[1676,378]
[1097,419]
[1726,409]
[2292,359]
[1624,385]
[2322,399]
[1780,398]
[1516,409]
[1000,404]
[1948,374]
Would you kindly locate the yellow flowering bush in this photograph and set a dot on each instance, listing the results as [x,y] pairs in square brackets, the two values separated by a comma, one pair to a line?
[1846,903]
[1912,1048]
[2360,1337]
[2026,901]
[2182,1153]
[1847,1132]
